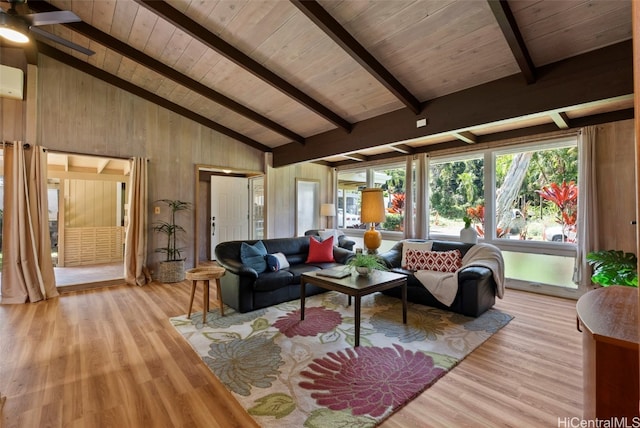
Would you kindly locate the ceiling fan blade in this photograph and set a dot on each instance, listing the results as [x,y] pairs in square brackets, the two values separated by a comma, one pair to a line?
[62,41]
[49,18]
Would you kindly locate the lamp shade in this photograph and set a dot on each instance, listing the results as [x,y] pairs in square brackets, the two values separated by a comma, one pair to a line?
[372,208]
[328,210]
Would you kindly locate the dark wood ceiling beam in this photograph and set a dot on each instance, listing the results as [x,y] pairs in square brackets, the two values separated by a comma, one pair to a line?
[597,75]
[143,59]
[205,36]
[319,16]
[509,27]
[98,73]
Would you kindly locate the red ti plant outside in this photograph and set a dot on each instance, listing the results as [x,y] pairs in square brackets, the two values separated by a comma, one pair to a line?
[565,197]
[477,216]
[397,203]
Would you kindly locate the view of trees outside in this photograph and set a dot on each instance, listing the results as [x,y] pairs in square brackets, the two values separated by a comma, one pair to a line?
[454,186]
[350,183]
[535,196]
[394,197]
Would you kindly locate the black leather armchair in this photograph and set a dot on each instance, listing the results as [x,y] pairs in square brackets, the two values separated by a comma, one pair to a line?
[476,284]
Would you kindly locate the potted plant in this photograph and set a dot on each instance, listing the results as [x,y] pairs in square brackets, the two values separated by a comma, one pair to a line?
[613,267]
[364,264]
[172,268]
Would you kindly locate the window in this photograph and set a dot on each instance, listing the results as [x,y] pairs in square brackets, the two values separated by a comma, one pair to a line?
[392,181]
[455,185]
[391,178]
[256,213]
[523,199]
[350,183]
[536,193]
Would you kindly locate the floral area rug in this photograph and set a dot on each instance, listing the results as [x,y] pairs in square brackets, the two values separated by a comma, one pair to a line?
[292,373]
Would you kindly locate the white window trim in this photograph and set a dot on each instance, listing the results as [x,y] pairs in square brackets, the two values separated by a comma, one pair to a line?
[489,156]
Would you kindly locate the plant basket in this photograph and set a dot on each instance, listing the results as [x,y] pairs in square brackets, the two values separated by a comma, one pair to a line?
[171,271]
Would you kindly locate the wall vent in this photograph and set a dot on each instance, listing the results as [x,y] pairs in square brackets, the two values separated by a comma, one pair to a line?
[11,82]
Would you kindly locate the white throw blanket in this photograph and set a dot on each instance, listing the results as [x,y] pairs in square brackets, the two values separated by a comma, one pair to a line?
[444,285]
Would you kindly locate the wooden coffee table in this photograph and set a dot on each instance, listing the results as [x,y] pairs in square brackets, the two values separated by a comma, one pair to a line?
[356,286]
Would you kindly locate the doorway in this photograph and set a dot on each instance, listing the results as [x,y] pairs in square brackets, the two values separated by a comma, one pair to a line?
[253,212]
[87,200]
[229,210]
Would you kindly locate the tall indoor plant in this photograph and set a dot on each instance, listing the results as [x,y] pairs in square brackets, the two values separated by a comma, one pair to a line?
[172,268]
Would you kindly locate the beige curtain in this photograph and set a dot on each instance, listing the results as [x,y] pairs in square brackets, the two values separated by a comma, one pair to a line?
[27,268]
[587,233]
[135,250]
[415,226]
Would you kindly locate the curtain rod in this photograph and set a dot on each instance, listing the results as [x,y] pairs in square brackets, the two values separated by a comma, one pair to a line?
[11,143]
[58,152]
[28,146]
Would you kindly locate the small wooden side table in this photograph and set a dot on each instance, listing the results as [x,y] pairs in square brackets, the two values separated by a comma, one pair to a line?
[205,274]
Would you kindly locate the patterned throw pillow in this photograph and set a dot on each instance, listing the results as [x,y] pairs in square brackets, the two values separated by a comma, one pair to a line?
[413,245]
[440,261]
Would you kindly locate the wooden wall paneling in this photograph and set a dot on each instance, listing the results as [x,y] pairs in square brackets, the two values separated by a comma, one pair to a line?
[13,112]
[91,203]
[99,129]
[616,185]
[31,105]
[82,115]
[281,195]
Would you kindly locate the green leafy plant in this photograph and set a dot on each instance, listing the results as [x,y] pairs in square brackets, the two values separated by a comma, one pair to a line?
[370,261]
[467,222]
[393,222]
[613,267]
[171,229]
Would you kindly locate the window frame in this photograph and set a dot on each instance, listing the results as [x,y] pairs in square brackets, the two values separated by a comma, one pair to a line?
[369,171]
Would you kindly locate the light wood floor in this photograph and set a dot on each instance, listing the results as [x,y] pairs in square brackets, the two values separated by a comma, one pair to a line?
[109,358]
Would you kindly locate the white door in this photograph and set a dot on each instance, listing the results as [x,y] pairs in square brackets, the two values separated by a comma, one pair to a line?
[229,210]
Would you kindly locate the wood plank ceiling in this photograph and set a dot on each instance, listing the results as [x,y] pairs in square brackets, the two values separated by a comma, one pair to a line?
[343,81]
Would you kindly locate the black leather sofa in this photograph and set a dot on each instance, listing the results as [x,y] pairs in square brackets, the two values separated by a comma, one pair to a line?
[476,284]
[246,290]
[343,241]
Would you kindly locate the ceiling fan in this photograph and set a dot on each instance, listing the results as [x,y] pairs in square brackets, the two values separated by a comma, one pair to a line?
[15,27]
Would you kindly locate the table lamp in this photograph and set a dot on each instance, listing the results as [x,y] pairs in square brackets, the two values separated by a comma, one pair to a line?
[372,211]
[328,210]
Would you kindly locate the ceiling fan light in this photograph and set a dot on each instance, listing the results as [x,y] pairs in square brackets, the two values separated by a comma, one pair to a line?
[13,29]
[13,35]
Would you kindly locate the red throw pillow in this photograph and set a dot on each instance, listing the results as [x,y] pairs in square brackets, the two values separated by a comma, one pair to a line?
[320,252]
[440,261]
